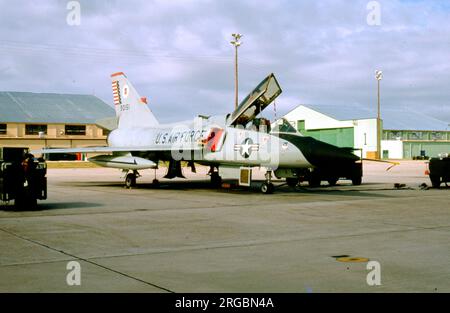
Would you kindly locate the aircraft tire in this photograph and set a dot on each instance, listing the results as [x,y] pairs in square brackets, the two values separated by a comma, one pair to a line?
[314,182]
[25,200]
[267,188]
[130,180]
[292,181]
[332,181]
[356,180]
[435,181]
[216,180]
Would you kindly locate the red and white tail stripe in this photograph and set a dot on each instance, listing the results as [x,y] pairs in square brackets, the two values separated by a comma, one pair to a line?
[116,92]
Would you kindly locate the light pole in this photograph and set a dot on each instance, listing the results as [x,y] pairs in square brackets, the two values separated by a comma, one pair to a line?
[379,77]
[236,43]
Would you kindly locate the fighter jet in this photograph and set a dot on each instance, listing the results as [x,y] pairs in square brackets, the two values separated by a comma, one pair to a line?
[230,145]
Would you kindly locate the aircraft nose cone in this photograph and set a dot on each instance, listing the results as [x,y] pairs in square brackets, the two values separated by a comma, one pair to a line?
[319,153]
[323,154]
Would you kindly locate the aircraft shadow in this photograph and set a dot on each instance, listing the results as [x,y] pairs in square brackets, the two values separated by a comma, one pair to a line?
[45,206]
[342,189]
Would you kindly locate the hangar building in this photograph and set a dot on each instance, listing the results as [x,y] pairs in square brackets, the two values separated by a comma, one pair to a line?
[38,120]
[405,134]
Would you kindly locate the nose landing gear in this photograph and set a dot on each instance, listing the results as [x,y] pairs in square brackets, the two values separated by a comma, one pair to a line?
[267,187]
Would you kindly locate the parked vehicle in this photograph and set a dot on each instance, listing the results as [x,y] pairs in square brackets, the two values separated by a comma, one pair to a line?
[439,170]
[22,178]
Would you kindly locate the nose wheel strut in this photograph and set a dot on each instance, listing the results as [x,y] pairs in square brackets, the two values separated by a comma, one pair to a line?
[267,187]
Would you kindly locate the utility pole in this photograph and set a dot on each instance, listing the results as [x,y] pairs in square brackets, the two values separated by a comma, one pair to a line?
[379,77]
[236,43]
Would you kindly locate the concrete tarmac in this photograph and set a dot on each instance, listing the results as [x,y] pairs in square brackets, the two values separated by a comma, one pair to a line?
[189,237]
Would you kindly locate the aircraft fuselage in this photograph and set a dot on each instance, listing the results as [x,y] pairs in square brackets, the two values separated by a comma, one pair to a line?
[236,146]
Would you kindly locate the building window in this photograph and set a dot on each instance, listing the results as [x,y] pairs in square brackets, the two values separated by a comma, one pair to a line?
[416,135]
[395,135]
[76,130]
[436,136]
[2,129]
[34,129]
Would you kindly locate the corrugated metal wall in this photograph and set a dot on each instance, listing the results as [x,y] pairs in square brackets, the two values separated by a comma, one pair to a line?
[432,149]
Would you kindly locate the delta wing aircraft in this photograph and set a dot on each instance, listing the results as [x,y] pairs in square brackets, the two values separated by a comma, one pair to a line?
[231,145]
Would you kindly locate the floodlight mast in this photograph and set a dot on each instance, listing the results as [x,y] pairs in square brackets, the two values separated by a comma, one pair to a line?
[236,43]
[378,77]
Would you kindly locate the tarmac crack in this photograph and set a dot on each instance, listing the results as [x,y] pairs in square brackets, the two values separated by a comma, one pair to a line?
[86,260]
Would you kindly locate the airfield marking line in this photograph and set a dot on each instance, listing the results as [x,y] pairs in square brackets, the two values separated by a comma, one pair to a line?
[86,260]
[247,244]
[198,248]
[225,246]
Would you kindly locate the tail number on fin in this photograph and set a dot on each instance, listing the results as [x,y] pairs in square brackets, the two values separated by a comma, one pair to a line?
[131,109]
[124,107]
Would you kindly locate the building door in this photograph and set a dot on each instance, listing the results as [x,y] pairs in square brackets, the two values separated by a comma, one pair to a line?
[407,150]
[301,126]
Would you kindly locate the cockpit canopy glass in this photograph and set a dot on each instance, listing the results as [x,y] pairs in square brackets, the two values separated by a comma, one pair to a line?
[256,101]
[283,126]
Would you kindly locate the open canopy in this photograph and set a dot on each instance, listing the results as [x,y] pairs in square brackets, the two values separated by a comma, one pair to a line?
[256,101]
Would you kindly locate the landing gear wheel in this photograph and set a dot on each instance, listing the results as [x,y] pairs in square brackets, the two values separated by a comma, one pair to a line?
[267,188]
[332,181]
[130,180]
[32,203]
[25,204]
[314,182]
[356,181]
[435,181]
[25,200]
[292,181]
[155,183]
[216,180]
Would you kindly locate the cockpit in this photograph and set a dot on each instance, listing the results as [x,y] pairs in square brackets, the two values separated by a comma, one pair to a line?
[283,126]
[245,116]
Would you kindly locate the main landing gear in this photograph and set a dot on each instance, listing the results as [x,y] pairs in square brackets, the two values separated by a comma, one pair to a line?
[292,181]
[216,180]
[267,187]
[130,179]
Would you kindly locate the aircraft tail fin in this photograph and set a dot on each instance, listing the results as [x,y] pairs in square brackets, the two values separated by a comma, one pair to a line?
[131,109]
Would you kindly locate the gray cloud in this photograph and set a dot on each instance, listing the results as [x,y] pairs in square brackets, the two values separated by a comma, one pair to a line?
[177,53]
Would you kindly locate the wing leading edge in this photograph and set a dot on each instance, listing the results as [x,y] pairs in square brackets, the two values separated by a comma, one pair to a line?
[111,149]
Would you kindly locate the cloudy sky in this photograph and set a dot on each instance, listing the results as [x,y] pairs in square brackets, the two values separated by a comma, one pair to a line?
[178,52]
